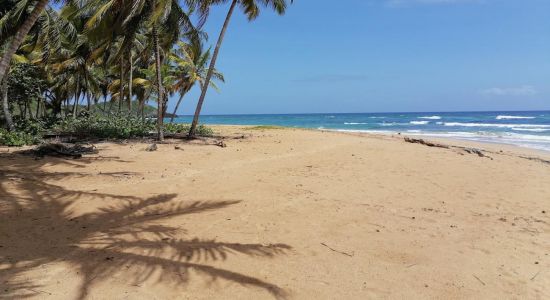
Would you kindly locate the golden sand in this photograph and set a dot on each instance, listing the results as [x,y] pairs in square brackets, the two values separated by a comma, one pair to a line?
[282,213]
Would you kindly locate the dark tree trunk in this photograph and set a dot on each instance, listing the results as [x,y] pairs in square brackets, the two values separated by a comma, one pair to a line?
[26,107]
[38,103]
[211,67]
[77,97]
[87,94]
[56,106]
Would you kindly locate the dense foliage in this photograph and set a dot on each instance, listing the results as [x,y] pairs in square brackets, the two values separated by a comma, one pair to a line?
[90,126]
[95,65]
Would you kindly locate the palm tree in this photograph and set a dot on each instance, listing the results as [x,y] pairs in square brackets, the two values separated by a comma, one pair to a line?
[251,9]
[15,23]
[20,35]
[191,67]
[165,19]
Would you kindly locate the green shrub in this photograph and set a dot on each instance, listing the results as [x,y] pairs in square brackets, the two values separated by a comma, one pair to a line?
[30,126]
[184,128]
[110,126]
[17,138]
[26,132]
[176,128]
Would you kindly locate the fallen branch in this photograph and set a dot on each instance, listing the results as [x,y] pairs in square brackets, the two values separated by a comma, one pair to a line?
[62,150]
[341,252]
[479,152]
[479,279]
[533,278]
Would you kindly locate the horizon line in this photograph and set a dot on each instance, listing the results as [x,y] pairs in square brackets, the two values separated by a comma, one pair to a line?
[387,112]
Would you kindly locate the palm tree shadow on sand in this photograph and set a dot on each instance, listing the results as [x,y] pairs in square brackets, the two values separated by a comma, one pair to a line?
[38,227]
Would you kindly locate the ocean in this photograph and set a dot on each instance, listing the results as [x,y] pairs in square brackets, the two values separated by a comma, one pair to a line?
[529,129]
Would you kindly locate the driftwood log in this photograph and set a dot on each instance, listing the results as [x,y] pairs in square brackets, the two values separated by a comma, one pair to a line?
[62,150]
[476,151]
[426,143]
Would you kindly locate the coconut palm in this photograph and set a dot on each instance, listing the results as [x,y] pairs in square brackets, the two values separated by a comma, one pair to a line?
[166,20]
[191,67]
[251,10]
[18,14]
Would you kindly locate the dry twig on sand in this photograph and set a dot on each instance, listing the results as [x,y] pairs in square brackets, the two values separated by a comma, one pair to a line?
[341,252]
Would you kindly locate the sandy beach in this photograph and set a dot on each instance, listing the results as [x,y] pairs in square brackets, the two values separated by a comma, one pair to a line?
[278,213]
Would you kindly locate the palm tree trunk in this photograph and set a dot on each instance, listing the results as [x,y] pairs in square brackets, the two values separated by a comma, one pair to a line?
[130,83]
[193,128]
[104,102]
[121,93]
[164,104]
[77,97]
[176,109]
[26,106]
[20,36]
[5,105]
[160,91]
[142,109]
[87,94]
[21,109]
[37,115]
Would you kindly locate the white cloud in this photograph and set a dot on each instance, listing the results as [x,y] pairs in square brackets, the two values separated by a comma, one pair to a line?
[524,90]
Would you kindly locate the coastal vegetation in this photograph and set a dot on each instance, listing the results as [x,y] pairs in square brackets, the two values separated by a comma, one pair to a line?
[96,68]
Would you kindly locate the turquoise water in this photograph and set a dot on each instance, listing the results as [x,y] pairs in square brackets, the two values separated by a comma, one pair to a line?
[527,129]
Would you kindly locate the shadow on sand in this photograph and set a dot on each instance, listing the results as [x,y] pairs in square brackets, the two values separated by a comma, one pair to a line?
[38,226]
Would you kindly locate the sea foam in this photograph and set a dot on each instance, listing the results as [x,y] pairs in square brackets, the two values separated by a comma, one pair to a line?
[495,125]
[431,118]
[512,117]
[419,122]
[531,129]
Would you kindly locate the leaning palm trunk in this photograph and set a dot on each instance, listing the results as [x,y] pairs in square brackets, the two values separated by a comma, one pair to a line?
[193,128]
[176,108]
[20,36]
[160,91]
[5,105]
[183,93]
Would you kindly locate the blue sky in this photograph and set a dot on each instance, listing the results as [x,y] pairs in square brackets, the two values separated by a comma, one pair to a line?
[382,56]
